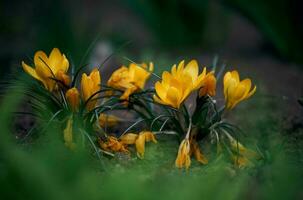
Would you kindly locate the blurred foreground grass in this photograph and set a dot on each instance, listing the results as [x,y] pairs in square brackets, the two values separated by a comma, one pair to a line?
[47,170]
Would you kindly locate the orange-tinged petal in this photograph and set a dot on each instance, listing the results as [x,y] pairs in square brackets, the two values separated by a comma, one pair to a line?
[103,145]
[129,138]
[96,78]
[198,154]
[130,79]
[200,79]
[149,136]
[166,77]
[128,92]
[208,86]
[63,77]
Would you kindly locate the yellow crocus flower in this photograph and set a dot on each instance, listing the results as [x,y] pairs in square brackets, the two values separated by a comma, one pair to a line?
[235,90]
[89,86]
[183,157]
[73,98]
[107,120]
[189,74]
[48,68]
[130,79]
[176,86]
[171,90]
[209,85]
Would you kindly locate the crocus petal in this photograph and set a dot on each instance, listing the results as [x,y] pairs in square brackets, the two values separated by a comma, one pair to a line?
[89,86]
[73,98]
[235,75]
[183,157]
[160,90]
[140,146]
[43,69]
[151,66]
[65,63]
[251,92]
[166,77]
[198,154]
[128,92]
[174,70]
[149,136]
[129,138]
[156,99]
[200,79]
[85,89]
[173,97]
[192,69]
[30,71]
[180,67]
[96,78]
[41,61]
[55,60]
[247,84]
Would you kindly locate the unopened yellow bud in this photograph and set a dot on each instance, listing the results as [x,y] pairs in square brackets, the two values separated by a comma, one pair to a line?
[73,98]
[209,85]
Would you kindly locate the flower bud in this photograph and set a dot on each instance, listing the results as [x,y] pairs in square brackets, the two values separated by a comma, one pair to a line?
[209,85]
[73,98]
